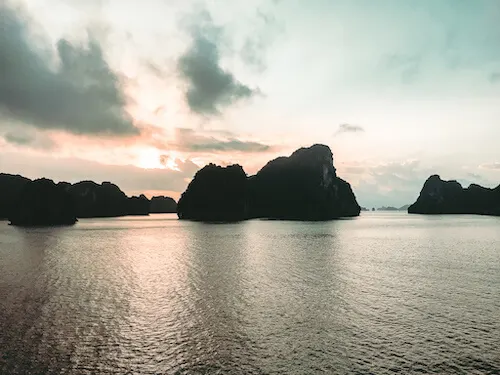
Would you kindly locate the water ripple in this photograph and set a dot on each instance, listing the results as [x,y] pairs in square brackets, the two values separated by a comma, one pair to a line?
[382,294]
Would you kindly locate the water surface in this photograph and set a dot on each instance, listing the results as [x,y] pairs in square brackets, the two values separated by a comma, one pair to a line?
[383,293]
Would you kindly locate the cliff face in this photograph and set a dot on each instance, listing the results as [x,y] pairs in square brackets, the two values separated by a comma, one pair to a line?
[303,186]
[10,187]
[449,197]
[94,200]
[90,199]
[138,205]
[162,205]
[215,194]
[43,203]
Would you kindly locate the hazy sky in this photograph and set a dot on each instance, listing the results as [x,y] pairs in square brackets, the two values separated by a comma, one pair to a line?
[143,93]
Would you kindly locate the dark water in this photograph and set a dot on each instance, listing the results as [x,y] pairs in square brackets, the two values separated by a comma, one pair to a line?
[384,293]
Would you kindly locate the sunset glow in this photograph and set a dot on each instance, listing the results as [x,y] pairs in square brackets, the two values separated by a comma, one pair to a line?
[172,86]
[150,159]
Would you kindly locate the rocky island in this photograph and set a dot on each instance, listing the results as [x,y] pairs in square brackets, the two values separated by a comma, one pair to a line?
[43,203]
[162,205]
[303,186]
[215,194]
[449,197]
[10,187]
[89,199]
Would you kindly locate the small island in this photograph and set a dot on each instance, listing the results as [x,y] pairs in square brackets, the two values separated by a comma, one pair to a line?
[303,186]
[449,197]
[392,208]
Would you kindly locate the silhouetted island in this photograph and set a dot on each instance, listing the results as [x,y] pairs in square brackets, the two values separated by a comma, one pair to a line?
[387,208]
[94,200]
[449,197]
[303,186]
[215,194]
[162,205]
[10,187]
[43,203]
[89,199]
[392,208]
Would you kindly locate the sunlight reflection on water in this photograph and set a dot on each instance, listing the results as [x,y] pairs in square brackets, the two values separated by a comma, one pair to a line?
[379,294]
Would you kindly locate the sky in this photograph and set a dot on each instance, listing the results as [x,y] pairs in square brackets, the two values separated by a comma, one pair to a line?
[144,93]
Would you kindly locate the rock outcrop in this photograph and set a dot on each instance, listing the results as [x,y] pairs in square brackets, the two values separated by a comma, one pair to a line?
[94,200]
[138,205]
[162,205]
[10,187]
[43,203]
[303,186]
[215,194]
[449,197]
[90,199]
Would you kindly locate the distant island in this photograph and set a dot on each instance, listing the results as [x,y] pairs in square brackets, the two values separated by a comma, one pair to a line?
[391,208]
[449,197]
[303,186]
[42,202]
[387,208]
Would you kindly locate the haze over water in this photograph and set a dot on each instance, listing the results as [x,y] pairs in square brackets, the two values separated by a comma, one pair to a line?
[383,293]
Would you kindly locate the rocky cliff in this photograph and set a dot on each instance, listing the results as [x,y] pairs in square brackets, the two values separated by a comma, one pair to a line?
[94,200]
[215,194]
[10,187]
[449,197]
[162,205]
[90,199]
[138,205]
[303,186]
[43,203]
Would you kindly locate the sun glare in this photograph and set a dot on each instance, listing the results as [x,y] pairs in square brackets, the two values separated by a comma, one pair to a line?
[150,159]
[153,159]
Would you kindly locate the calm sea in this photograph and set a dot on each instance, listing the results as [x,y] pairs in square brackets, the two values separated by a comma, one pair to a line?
[384,293]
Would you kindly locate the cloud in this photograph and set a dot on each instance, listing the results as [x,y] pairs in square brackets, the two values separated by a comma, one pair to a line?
[21,139]
[407,66]
[83,95]
[349,128]
[385,184]
[265,29]
[188,140]
[209,86]
[28,138]
[494,166]
[474,176]
[494,77]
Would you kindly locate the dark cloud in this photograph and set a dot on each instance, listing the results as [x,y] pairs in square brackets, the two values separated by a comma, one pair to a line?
[21,139]
[349,128]
[81,96]
[27,138]
[209,87]
[189,140]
